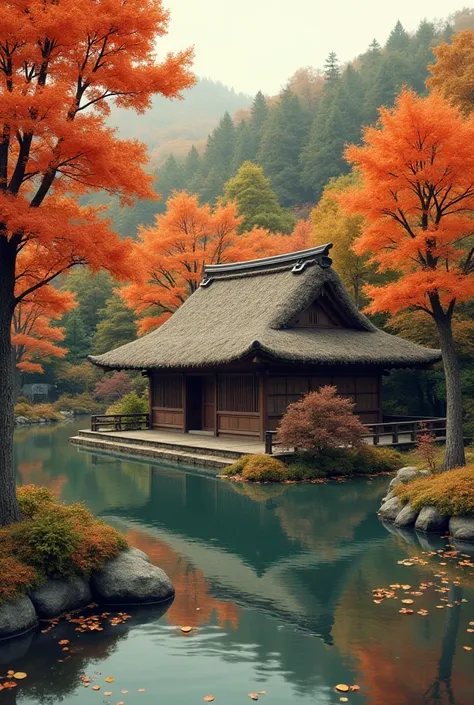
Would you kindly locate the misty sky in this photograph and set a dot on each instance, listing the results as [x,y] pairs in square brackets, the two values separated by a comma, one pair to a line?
[258,44]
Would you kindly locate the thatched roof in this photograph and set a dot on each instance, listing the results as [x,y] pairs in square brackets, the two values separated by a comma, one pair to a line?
[247,308]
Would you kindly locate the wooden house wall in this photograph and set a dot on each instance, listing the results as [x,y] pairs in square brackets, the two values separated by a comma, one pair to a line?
[250,403]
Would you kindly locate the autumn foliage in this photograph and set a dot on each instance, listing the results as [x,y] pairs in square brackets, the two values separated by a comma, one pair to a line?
[61,64]
[453,72]
[320,420]
[417,197]
[113,387]
[170,256]
[52,541]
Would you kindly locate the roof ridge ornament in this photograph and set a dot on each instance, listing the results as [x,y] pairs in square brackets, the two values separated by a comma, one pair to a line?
[298,261]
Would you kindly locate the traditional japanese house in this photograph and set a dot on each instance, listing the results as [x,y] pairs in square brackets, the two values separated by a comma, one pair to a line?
[255,337]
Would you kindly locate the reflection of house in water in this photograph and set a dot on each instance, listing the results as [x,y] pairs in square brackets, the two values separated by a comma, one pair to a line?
[258,556]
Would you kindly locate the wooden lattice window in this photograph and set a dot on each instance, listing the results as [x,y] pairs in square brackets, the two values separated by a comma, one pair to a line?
[238,393]
[168,392]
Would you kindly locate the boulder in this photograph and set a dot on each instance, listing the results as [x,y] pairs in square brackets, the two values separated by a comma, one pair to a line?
[129,579]
[17,617]
[404,475]
[138,553]
[390,495]
[407,517]
[430,520]
[55,597]
[390,510]
[462,528]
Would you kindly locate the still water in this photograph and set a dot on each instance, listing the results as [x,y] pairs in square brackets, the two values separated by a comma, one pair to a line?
[276,581]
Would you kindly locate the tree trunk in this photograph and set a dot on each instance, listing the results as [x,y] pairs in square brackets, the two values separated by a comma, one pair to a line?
[454,456]
[9,511]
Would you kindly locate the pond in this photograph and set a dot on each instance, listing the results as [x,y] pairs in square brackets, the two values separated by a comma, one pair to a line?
[276,582]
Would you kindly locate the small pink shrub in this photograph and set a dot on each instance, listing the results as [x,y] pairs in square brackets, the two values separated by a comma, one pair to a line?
[114,387]
[320,420]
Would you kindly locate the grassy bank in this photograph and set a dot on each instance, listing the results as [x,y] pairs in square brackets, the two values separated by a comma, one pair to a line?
[52,540]
[305,467]
[451,492]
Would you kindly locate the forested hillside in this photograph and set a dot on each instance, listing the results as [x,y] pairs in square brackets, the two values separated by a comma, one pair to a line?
[298,137]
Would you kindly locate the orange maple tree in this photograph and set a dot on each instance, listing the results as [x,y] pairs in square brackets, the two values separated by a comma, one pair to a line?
[417,196]
[170,256]
[61,63]
[34,335]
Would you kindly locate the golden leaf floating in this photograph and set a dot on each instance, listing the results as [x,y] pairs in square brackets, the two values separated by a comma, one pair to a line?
[10,684]
[186,630]
[208,698]
[262,692]
[124,692]
[142,690]
[354,688]
[343,700]
[19,675]
[63,642]
[108,693]
[467,648]
[96,687]
[253,696]
[342,688]
[408,602]
[109,679]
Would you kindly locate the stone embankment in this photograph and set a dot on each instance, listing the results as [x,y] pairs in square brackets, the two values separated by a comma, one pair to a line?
[427,519]
[129,579]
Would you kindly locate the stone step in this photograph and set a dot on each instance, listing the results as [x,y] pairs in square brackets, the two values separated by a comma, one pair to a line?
[181,456]
[201,449]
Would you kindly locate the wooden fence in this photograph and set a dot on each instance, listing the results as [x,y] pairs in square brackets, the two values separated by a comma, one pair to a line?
[120,422]
[388,433]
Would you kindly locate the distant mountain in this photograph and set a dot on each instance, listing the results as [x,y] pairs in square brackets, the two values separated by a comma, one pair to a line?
[173,126]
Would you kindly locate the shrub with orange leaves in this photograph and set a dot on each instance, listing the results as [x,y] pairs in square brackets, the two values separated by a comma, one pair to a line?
[320,420]
[52,540]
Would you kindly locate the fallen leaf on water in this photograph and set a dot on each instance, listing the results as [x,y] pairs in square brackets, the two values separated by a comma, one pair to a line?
[355,688]
[124,692]
[342,687]
[10,673]
[121,703]
[343,700]
[63,642]
[408,602]
[208,698]
[109,679]
[186,630]
[10,684]
[262,692]
[96,687]
[108,693]
[467,648]
[406,587]
[142,690]
[19,675]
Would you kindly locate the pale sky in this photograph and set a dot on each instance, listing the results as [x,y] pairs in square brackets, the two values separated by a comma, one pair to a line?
[258,44]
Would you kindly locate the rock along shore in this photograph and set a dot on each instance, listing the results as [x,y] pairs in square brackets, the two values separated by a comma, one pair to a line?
[128,579]
[428,519]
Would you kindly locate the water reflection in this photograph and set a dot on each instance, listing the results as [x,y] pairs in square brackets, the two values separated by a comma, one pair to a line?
[276,580]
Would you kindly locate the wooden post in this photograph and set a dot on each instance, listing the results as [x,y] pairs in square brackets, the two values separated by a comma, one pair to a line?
[262,403]
[269,443]
[216,399]
[395,433]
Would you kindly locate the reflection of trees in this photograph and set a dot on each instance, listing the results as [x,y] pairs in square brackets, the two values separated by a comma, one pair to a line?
[388,648]
[194,605]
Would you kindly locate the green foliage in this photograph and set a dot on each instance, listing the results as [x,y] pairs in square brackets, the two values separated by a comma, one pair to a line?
[116,328]
[131,403]
[307,467]
[52,541]
[283,136]
[263,468]
[451,492]
[256,202]
[80,404]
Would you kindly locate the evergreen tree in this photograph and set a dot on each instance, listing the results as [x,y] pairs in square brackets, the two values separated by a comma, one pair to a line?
[221,146]
[191,167]
[244,146]
[331,70]
[422,48]
[92,291]
[399,39]
[212,187]
[76,339]
[170,177]
[258,116]
[284,134]
[116,328]
[256,201]
[394,72]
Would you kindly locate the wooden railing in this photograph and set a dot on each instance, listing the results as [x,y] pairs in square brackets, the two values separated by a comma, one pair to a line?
[389,433]
[120,422]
